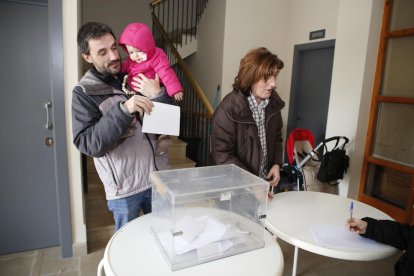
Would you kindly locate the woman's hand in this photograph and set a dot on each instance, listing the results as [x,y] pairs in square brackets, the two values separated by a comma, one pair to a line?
[147,87]
[357,225]
[274,177]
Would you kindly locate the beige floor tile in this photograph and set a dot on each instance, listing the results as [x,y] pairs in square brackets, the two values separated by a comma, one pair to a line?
[17,265]
[80,249]
[52,262]
[65,273]
[89,263]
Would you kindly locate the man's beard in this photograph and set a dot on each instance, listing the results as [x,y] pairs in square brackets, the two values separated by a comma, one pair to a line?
[109,70]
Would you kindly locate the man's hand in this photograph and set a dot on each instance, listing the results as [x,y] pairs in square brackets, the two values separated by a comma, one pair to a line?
[139,104]
[145,86]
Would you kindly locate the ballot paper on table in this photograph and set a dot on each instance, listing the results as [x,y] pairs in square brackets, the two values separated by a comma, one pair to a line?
[337,236]
[164,119]
[207,234]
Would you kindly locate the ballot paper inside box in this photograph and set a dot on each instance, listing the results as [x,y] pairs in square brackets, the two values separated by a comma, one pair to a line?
[207,213]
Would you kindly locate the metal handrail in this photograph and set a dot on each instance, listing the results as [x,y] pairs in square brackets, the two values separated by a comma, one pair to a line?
[180,61]
[156,2]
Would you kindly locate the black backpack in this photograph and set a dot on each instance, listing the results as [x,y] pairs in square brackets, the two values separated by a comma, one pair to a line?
[334,163]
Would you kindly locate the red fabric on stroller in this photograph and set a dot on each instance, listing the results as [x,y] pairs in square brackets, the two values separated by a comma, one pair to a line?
[298,134]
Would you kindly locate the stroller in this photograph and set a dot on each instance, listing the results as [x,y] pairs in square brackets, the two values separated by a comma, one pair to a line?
[302,170]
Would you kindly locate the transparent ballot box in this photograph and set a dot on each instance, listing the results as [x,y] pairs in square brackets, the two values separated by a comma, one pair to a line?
[207,213]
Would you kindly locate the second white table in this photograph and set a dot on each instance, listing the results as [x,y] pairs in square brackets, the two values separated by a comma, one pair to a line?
[289,215]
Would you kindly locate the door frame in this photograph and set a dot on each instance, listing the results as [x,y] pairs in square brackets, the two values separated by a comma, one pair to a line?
[296,76]
[59,126]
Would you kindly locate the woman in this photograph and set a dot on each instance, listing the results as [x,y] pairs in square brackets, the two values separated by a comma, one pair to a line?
[392,233]
[247,125]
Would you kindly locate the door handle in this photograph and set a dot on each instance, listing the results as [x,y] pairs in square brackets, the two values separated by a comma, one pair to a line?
[48,124]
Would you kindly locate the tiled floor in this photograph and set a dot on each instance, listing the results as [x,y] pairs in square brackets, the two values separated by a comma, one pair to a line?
[48,262]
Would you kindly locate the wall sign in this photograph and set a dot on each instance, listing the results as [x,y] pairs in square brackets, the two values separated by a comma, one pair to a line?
[317,34]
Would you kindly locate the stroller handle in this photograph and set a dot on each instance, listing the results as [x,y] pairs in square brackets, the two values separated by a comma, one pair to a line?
[314,151]
[337,139]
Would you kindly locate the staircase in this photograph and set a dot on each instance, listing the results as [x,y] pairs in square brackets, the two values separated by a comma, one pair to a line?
[177,155]
[99,220]
[174,26]
[185,41]
[179,19]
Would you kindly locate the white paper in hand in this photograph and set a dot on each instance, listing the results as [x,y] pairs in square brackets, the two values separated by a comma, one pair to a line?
[164,119]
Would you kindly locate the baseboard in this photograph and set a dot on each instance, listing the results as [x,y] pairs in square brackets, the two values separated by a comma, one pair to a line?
[80,249]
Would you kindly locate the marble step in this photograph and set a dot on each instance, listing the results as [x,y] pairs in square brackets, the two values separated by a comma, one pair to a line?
[181,162]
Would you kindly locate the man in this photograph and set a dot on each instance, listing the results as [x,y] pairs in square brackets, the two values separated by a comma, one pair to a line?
[107,125]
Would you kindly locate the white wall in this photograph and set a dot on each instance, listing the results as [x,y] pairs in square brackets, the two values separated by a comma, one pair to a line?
[71,73]
[303,18]
[353,61]
[365,98]
[251,24]
[206,63]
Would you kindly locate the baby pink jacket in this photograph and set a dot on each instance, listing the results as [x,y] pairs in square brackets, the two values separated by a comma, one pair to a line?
[138,35]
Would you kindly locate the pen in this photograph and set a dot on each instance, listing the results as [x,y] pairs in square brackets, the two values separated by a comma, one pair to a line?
[351,209]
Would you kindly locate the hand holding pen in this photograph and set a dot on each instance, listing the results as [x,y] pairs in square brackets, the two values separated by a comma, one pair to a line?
[355,225]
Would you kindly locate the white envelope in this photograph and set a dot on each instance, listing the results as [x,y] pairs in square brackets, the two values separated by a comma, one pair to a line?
[164,119]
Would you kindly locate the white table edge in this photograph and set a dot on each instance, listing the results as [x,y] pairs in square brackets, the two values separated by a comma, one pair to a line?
[268,239]
[330,252]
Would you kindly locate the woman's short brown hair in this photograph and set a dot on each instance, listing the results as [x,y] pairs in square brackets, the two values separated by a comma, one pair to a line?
[257,64]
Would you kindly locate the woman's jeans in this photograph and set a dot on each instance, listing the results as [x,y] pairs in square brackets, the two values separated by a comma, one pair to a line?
[128,208]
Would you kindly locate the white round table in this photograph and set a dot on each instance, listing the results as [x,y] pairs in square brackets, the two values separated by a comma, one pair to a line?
[289,215]
[133,251]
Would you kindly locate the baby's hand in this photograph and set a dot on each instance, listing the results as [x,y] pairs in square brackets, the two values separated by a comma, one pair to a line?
[178,96]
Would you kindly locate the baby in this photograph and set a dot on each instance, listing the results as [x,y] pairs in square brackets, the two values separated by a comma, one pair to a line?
[147,59]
